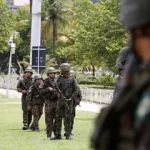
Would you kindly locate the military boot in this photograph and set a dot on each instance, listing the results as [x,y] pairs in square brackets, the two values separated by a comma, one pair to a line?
[25,127]
[68,137]
[57,137]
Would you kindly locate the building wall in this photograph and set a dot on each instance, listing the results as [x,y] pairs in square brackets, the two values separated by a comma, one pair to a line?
[10,2]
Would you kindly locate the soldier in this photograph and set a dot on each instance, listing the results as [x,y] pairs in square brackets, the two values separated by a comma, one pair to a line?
[125,124]
[67,91]
[23,87]
[50,102]
[35,101]
[76,101]
[121,64]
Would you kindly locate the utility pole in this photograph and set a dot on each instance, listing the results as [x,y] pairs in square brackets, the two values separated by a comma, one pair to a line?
[35,25]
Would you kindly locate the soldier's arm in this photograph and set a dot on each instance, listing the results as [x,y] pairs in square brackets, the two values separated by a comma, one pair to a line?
[30,96]
[19,86]
[75,92]
[44,88]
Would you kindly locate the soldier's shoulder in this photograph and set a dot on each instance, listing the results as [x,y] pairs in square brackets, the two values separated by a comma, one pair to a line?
[47,79]
[60,77]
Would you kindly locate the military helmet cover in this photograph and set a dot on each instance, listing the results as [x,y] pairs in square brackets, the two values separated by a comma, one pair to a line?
[135,13]
[65,67]
[124,54]
[118,64]
[37,76]
[51,70]
[28,70]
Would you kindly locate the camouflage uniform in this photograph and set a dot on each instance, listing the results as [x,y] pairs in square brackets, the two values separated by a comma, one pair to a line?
[24,84]
[124,125]
[68,87]
[36,100]
[50,104]
[76,102]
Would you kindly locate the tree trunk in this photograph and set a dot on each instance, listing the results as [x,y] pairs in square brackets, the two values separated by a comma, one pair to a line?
[54,35]
[93,69]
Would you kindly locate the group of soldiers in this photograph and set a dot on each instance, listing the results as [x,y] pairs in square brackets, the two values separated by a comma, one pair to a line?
[58,95]
[125,123]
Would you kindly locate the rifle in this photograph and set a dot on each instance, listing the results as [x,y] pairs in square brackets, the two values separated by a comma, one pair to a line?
[62,96]
[34,86]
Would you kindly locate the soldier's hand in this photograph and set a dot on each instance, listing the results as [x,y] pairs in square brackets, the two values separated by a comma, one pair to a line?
[58,95]
[50,89]
[24,92]
[29,108]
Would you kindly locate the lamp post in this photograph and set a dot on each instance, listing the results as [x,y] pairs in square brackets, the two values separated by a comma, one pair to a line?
[12,51]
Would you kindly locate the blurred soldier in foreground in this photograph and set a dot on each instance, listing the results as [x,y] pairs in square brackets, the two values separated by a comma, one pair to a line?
[35,101]
[23,87]
[67,90]
[125,124]
[50,102]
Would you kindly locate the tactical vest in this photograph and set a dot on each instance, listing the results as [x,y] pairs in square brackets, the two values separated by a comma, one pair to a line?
[66,85]
[50,95]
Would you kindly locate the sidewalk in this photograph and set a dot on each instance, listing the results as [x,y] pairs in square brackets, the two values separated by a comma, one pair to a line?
[85,106]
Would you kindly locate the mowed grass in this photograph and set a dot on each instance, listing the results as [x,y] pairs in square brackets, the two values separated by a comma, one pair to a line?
[13,138]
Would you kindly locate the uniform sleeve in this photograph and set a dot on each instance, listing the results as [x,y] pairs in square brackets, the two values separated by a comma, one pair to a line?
[43,89]
[30,96]
[19,86]
[75,92]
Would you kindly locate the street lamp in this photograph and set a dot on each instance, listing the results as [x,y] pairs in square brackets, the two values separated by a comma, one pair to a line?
[12,51]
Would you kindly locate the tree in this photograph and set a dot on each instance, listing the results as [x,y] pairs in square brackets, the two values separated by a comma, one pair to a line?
[57,13]
[98,34]
[7,24]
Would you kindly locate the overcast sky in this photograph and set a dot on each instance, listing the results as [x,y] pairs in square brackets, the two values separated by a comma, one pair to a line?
[21,2]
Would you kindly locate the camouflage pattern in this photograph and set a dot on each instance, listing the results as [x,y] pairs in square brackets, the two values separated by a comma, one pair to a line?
[37,111]
[50,106]
[76,102]
[69,88]
[36,100]
[65,67]
[24,84]
[28,70]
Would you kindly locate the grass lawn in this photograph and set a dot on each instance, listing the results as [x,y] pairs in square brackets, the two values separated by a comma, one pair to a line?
[13,138]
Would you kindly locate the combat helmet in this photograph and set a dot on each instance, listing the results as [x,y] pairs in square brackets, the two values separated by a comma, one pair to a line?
[51,70]
[124,54]
[37,76]
[135,13]
[65,67]
[28,70]
[118,64]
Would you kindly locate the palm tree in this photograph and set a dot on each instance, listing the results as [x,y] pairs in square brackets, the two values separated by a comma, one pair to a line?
[58,13]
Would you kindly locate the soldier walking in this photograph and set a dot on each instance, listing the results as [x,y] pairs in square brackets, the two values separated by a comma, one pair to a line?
[36,101]
[67,92]
[23,87]
[50,102]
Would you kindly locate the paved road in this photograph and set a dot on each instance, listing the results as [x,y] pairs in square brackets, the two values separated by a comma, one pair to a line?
[85,106]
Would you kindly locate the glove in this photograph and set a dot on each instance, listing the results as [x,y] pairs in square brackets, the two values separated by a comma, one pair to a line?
[69,99]
[29,108]
[50,89]
[24,92]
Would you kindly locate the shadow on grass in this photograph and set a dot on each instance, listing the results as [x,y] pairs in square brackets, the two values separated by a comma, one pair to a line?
[85,119]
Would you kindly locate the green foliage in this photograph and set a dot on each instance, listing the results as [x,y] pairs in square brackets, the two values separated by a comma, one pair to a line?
[23,27]
[7,24]
[97,35]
